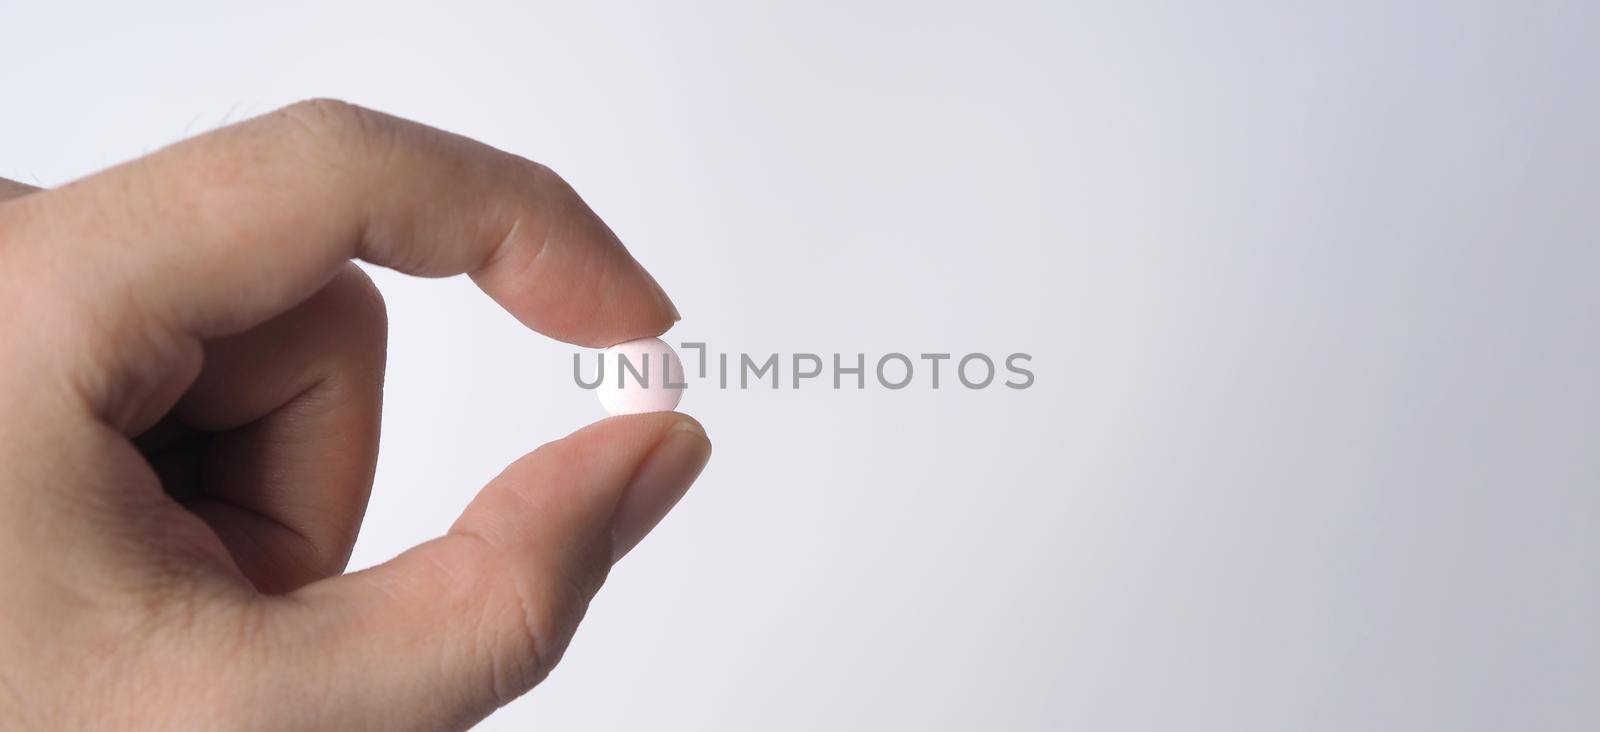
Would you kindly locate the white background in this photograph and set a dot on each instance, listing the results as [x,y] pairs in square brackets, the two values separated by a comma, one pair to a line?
[1310,290]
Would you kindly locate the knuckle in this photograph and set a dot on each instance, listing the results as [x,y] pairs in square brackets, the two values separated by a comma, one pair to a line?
[323,117]
[15,215]
[547,176]
[518,644]
[556,188]
[334,125]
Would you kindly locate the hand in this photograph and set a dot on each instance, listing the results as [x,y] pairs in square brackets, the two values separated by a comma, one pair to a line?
[189,398]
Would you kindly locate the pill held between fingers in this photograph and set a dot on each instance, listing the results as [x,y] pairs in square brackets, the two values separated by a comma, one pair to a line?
[638,376]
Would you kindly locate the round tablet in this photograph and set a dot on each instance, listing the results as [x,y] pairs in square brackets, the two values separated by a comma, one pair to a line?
[640,376]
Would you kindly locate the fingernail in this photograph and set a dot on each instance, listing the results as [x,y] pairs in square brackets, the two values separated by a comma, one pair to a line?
[663,479]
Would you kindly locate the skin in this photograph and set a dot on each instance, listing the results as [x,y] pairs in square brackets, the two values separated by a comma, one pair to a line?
[189,408]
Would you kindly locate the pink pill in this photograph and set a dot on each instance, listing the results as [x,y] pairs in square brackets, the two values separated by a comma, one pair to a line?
[641,376]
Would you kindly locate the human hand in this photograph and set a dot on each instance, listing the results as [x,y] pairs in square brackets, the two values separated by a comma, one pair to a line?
[189,401]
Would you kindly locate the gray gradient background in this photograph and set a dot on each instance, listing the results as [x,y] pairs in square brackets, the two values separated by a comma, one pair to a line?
[1311,291]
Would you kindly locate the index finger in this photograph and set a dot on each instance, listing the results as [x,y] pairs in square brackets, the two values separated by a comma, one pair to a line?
[218,233]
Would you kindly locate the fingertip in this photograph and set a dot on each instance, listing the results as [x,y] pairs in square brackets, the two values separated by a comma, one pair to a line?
[572,279]
[662,479]
[651,427]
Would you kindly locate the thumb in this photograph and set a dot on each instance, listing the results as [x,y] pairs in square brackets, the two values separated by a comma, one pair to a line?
[452,629]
